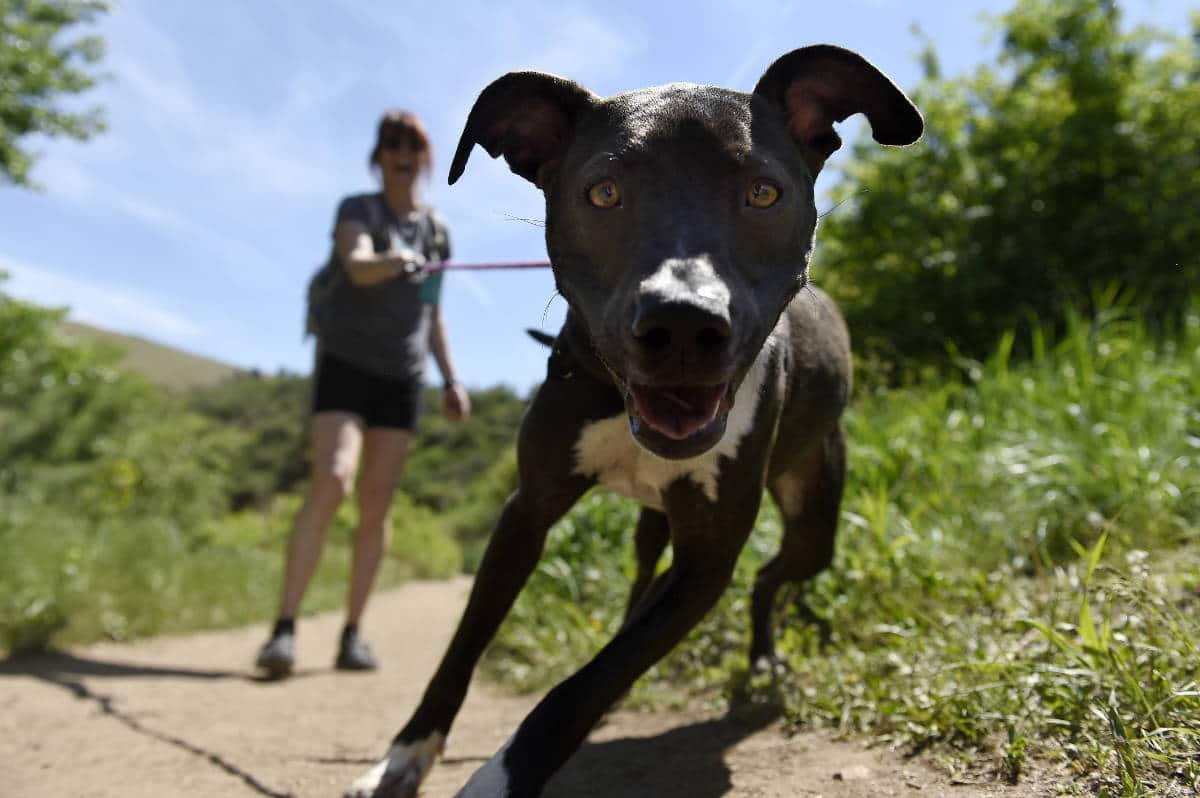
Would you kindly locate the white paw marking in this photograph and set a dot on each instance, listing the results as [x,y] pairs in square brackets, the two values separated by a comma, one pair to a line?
[607,450]
[400,772]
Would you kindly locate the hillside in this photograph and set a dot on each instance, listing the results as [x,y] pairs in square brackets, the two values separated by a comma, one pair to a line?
[169,367]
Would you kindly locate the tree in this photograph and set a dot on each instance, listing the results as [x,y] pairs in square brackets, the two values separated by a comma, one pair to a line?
[1068,167]
[38,68]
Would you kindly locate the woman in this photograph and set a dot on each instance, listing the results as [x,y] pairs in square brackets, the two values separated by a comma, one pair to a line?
[381,322]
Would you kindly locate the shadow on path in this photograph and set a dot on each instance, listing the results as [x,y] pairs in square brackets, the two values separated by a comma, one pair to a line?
[67,670]
[56,665]
[608,769]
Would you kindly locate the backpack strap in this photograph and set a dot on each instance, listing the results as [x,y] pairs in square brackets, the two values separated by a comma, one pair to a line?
[433,235]
[431,231]
[377,226]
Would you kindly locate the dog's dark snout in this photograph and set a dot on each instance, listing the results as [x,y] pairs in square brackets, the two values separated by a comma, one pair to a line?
[666,328]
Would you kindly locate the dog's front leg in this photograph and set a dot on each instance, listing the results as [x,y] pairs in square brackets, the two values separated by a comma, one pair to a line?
[511,556]
[706,540]
[650,539]
[548,488]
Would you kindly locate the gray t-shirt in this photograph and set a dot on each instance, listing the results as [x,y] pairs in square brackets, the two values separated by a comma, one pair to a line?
[384,328]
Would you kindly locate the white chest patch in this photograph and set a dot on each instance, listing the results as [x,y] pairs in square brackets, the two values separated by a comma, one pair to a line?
[607,450]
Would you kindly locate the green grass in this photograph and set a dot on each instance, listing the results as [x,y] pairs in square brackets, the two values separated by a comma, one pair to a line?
[1017,580]
[75,580]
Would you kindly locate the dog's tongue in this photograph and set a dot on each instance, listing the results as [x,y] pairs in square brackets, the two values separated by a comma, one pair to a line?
[677,412]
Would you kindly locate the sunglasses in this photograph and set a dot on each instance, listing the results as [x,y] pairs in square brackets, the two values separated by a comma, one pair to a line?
[400,142]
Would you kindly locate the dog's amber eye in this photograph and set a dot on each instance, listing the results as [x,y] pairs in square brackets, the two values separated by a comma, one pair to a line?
[762,194]
[605,194]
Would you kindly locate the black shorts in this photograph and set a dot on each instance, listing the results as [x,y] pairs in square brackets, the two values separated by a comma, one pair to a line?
[378,401]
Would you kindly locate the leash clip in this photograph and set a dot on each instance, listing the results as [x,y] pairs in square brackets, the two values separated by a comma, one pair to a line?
[414,264]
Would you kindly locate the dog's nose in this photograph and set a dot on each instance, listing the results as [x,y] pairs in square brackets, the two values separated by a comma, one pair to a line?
[671,329]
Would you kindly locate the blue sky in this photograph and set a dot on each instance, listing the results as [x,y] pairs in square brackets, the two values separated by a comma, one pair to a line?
[234,128]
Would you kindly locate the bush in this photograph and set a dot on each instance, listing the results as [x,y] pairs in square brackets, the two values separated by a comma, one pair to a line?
[420,540]
[450,469]
[1062,170]
[448,457]
[116,496]
[271,413]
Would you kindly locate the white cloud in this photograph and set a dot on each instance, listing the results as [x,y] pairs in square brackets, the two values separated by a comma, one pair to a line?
[277,153]
[75,183]
[765,18]
[581,46]
[96,303]
[203,136]
[566,39]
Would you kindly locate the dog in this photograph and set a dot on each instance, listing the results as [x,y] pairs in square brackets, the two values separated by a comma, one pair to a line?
[695,368]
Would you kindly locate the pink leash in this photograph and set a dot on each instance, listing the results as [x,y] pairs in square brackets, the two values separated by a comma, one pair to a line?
[445,267]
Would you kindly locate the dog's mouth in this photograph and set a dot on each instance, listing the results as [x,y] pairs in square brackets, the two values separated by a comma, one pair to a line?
[677,420]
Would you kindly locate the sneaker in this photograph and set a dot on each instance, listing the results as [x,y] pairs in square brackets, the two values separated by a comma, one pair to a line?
[355,655]
[278,655]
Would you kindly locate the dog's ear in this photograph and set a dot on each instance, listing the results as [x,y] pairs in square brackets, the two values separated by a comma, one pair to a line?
[543,338]
[816,86]
[528,117]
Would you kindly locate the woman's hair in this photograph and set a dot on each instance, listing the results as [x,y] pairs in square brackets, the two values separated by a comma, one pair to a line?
[396,123]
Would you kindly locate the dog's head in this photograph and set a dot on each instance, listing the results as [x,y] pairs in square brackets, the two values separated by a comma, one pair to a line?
[680,219]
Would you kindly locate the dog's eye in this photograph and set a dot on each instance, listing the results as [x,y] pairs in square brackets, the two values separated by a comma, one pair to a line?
[762,194]
[605,194]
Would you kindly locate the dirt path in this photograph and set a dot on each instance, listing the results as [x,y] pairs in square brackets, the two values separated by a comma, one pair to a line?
[182,717]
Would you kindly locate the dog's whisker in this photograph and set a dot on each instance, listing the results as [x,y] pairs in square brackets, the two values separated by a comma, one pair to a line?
[549,302]
[843,202]
[526,220]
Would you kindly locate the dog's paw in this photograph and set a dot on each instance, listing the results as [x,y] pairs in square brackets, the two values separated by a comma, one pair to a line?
[400,772]
[490,781]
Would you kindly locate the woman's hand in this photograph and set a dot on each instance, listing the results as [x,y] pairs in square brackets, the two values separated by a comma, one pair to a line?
[411,265]
[456,403]
[368,267]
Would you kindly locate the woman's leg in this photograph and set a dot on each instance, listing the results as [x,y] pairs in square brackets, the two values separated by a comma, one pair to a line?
[337,440]
[385,450]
